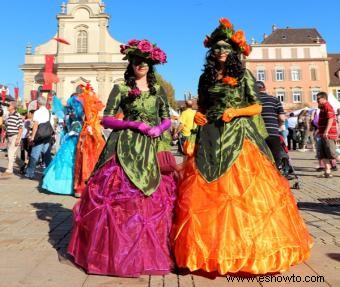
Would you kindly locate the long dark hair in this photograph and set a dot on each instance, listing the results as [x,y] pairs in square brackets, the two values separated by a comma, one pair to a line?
[130,78]
[233,68]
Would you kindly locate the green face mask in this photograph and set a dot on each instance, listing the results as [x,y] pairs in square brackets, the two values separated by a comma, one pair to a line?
[221,48]
[139,62]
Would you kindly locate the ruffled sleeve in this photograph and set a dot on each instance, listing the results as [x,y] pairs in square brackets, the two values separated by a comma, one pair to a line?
[164,109]
[113,101]
[250,90]
[252,98]
[202,97]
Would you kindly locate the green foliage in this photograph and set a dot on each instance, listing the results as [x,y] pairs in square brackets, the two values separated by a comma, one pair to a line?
[21,110]
[170,91]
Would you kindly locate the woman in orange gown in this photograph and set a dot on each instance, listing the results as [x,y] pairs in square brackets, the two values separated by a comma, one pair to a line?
[235,211]
[91,141]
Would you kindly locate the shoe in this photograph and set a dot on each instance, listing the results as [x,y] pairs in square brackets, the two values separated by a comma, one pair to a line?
[28,177]
[22,169]
[334,168]
[320,169]
[325,175]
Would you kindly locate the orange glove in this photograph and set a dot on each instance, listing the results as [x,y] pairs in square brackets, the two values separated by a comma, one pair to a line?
[231,113]
[200,119]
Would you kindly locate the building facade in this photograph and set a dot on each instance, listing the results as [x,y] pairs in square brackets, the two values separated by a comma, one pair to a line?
[92,55]
[334,75]
[293,63]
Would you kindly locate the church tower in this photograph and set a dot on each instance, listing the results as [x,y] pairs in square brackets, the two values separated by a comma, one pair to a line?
[90,54]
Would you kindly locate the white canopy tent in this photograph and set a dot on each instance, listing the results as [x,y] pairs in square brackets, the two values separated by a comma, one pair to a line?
[173,113]
[331,99]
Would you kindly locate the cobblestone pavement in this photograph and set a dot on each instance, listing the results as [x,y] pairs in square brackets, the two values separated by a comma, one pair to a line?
[35,228]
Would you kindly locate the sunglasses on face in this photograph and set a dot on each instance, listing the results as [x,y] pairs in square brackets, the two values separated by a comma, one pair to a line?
[220,48]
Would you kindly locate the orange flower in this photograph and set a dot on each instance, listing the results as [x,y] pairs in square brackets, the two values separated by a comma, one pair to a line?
[238,37]
[226,23]
[245,48]
[231,81]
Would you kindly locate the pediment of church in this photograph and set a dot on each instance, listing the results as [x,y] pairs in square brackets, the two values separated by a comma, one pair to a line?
[80,80]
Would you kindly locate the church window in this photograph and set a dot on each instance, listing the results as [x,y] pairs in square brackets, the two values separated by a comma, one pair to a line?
[82,42]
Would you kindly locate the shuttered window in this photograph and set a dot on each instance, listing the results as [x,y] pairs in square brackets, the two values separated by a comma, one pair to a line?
[313,74]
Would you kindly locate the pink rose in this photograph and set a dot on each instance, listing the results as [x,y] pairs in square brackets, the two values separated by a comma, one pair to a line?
[123,48]
[133,42]
[145,46]
[135,92]
[158,55]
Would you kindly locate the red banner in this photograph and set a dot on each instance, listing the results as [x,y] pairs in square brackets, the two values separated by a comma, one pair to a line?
[47,87]
[16,93]
[49,61]
[34,94]
[3,95]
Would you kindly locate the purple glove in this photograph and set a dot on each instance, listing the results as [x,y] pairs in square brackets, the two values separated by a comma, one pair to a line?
[113,123]
[156,131]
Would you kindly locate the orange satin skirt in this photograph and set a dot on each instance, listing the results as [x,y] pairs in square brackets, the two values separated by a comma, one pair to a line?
[246,221]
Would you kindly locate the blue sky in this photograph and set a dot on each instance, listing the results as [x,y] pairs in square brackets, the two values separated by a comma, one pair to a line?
[177,26]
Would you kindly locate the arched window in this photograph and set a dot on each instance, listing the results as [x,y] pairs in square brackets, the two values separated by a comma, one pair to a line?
[82,42]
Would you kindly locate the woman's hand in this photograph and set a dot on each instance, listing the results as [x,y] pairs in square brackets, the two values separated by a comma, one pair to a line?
[229,114]
[200,119]
[143,128]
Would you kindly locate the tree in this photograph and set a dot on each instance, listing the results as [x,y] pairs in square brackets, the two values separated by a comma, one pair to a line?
[169,90]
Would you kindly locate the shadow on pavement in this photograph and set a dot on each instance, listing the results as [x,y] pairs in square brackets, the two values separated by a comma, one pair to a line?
[59,220]
[334,256]
[319,207]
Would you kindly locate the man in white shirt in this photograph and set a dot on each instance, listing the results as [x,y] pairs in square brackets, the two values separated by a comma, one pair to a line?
[292,122]
[41,148]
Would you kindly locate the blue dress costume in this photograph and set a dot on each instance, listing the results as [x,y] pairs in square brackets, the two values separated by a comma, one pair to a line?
[59,175]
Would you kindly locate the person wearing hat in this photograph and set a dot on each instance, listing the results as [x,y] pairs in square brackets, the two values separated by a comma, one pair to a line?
[235,212]
[273,115]
[123,220]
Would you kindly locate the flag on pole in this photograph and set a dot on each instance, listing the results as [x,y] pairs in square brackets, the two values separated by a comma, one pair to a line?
[61,40]
[16,93]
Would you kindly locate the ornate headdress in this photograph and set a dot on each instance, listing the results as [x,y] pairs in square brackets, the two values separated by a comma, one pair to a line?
[226,32]
[143,49]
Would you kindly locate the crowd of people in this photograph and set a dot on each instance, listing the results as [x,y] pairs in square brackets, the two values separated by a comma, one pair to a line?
[227,208]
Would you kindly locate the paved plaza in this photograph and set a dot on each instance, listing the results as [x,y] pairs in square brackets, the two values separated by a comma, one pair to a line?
[35,229]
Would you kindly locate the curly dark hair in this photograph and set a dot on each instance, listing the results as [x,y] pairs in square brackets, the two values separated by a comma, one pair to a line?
[233,68]
[130,78]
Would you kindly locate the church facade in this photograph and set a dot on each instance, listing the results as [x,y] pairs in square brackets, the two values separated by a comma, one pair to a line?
[84,52]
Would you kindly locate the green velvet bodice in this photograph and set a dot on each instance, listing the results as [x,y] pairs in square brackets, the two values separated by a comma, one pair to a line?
[136,152]
[220,143]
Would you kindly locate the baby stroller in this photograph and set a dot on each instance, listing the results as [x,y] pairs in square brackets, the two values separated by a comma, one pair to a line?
[285,167]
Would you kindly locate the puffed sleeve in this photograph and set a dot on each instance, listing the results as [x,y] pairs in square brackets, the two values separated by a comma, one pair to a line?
[250,89]
[113,101]
[201,101]
[164,109]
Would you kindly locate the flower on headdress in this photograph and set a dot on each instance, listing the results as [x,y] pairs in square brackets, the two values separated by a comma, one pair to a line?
[231,81]
[135,92]
[145,46]
[245,48]
[206,42]
[238,37]
[158,55]
[226,23]
[143,49]
[226,32]
[88,88]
